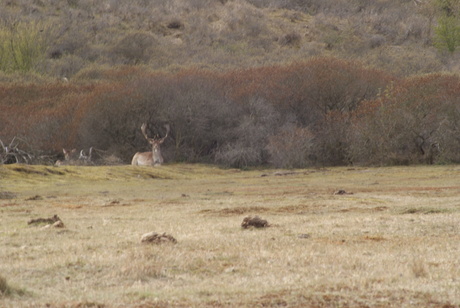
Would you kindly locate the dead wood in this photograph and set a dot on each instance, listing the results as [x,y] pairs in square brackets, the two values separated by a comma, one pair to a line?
[255,222]
[155,238]
[49,221]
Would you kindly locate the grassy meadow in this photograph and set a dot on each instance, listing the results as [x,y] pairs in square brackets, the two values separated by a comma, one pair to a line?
[391,240]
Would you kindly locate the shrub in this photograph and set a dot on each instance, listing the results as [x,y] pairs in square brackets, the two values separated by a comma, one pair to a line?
[292,147]
[447,33]
[409,123]
[23,45]
[66,66]
[246,144]
[134,48]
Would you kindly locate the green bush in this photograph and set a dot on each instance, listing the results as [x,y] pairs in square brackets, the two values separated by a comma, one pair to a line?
[22,45]
[447,33]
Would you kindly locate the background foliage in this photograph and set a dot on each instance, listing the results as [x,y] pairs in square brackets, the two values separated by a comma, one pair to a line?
[242,83]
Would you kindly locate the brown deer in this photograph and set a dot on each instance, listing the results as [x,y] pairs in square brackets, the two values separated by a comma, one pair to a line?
[69,157]
[153,158]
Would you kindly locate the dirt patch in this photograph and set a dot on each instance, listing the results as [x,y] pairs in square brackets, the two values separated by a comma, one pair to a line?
[363,210]
[52,171]
[68,206]
[293,208]
[29,171]
[34,198]
[6,195]
[423,210]
[374,238]
[236,210]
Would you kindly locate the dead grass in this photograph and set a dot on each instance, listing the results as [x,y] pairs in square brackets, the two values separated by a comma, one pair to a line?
[382,246]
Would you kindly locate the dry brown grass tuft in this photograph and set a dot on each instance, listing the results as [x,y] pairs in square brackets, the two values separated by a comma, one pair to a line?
[393,243]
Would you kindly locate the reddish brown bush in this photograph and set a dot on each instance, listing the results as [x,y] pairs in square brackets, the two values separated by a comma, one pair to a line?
[323,111]
[411,122]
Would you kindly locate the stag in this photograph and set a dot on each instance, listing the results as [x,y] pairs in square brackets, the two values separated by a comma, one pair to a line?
[153,158]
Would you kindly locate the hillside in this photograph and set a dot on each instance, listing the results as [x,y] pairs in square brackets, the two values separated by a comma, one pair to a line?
[289,84]
[83,35]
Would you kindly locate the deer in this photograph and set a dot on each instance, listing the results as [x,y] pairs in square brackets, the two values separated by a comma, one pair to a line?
[153,158]
[85,159]
[69,157]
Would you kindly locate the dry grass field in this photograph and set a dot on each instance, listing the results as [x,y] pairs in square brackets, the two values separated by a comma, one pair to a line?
[391,240]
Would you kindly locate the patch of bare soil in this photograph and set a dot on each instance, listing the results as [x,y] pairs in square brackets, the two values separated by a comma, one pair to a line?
[236,210]
[350,298]
[364,210]
[6,195]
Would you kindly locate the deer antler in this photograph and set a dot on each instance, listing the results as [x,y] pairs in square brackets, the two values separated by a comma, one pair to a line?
[168,129]
[143,127]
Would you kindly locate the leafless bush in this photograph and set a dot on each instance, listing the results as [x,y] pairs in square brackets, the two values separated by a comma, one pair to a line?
[92,72]
[291,148]
[290,39]
[447,137]
[247,144]
[376,40]
[19,151]
[112,124]
[135,47]
[11,153]
[66,66]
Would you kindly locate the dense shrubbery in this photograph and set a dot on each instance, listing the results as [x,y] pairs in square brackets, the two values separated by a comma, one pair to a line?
[413,121]
[319,112]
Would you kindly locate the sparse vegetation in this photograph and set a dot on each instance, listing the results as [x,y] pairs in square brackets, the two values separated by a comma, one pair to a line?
[393,241]
[7,291]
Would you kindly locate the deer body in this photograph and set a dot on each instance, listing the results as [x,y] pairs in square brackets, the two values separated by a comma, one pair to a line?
[153,158]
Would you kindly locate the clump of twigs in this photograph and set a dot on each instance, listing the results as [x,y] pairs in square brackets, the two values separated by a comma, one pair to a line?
[255,222]
[20,152]
[46,221]
[11,154]
[342,192]
[155,238]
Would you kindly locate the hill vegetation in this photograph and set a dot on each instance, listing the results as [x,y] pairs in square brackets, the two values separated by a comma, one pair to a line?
[65,37]
[242,83]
